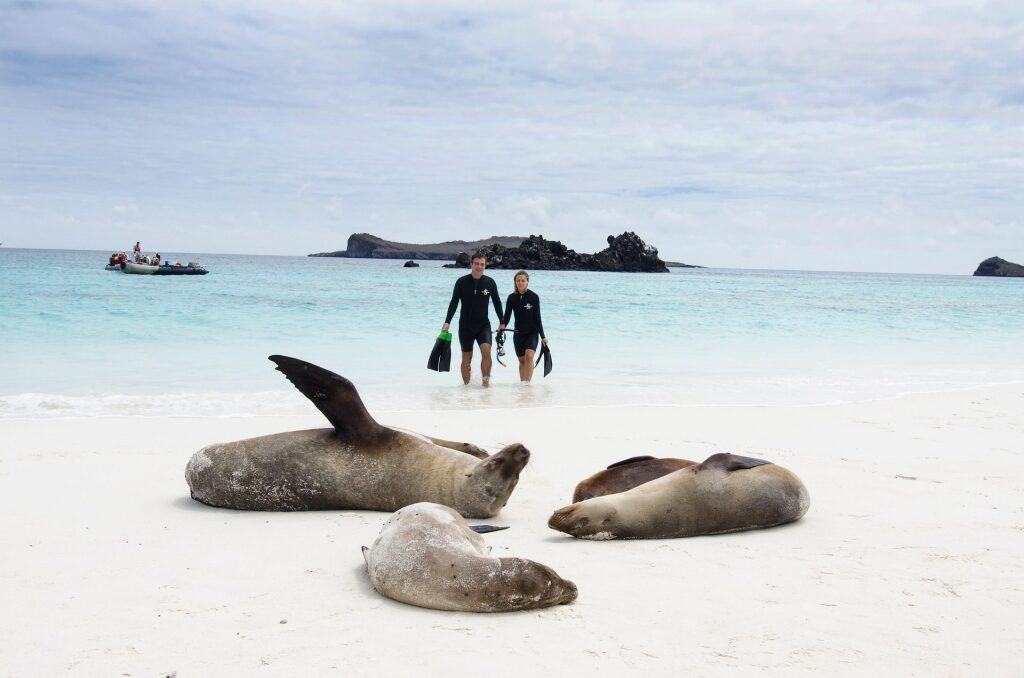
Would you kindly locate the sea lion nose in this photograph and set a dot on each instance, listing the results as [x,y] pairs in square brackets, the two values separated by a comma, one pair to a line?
[570,592]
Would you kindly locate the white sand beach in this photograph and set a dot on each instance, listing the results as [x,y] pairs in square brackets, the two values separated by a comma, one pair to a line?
[909,562]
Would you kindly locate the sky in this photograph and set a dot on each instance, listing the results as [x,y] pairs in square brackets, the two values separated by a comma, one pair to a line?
[793,134]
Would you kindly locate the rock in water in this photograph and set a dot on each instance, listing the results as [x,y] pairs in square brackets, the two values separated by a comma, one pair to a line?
[1001,268]
[625,253]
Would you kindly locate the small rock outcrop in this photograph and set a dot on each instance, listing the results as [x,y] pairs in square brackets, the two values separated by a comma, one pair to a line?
[410,264]
[1001,268]
[625,253]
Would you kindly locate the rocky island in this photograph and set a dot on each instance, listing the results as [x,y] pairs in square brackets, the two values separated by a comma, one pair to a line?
[625,253]
[366,246]
[1000,268]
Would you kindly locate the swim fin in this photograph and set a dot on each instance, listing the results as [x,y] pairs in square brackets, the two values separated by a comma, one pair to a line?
[444,363]
[440,358]
[545,354]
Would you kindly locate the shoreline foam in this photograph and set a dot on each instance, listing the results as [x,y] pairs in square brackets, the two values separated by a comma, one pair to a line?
[500,397]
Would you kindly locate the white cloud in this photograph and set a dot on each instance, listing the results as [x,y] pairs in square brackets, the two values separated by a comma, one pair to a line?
[719,131]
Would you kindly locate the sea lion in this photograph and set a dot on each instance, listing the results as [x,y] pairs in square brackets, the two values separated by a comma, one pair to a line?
[724,493]
[426,555]
[625,475]
[359,464]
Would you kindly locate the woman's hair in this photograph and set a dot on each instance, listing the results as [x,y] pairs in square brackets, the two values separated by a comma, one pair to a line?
[519,273]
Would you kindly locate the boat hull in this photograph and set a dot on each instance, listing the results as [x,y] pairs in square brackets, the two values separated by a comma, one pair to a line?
[145,269]
[138,269]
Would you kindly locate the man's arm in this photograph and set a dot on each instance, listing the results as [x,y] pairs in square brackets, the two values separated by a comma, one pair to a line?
[508,312]
[536,310]
[496,299]
[453,304]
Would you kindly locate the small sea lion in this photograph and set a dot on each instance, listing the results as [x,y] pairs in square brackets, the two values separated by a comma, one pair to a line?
[358,464]
[426,555]
[725,493]
[627,474]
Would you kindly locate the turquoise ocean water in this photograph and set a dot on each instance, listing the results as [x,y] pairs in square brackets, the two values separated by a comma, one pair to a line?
[76,340]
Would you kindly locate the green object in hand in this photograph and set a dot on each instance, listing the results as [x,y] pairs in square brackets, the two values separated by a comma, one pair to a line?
[440,358]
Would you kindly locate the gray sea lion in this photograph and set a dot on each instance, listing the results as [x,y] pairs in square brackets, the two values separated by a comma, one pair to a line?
[627,474]
[359,464]
[725,493]
[426,555]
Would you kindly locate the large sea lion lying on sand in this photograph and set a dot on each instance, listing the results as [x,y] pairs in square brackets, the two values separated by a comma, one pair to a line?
[359,464]
[426,555]
[725,493]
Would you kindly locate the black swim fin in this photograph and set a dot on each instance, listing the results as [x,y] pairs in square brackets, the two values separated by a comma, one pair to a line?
[435,356]
[444,363]
[440,358]
[545,354]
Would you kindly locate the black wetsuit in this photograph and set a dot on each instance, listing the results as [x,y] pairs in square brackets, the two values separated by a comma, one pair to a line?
[474,293]
[528,324]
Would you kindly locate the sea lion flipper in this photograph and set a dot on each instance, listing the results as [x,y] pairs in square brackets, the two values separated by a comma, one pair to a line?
[730,462]
[484,529]
[333,395]
[469,448]
[631,460]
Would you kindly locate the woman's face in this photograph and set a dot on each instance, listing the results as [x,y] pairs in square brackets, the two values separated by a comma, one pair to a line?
[521,283]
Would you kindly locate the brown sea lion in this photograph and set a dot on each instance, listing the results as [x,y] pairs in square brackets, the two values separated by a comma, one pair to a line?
[725,493]
[426,555]
[625,475]
[358,464]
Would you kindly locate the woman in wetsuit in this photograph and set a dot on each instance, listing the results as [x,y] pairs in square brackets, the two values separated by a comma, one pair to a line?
[525,304]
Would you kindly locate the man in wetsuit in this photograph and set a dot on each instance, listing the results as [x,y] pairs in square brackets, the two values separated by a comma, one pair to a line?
[475,291]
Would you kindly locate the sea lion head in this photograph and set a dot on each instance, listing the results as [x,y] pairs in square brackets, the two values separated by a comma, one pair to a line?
[487,486]
[526,585]
[595,518]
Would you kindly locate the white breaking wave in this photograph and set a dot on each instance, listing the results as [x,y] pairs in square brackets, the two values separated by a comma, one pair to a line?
[54,406]
[782,391]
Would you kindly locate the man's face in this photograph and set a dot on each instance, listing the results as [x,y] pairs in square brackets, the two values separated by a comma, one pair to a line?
[478,264]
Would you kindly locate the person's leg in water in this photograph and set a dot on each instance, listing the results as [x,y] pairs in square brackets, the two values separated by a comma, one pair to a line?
[466,340]
[526,366]
[526,346]
[483,338]
[485,363]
